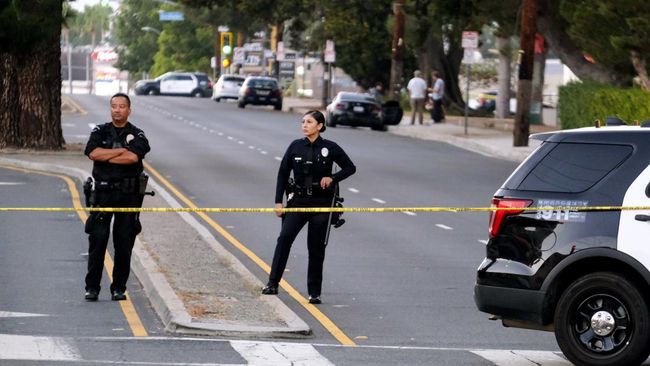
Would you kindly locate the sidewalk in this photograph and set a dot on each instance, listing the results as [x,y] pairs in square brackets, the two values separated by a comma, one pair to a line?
[487,136]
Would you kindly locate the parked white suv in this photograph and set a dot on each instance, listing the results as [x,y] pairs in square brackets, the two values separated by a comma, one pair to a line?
[195,84]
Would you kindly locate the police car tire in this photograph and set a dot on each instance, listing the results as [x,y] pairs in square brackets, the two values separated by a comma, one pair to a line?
[616,295]
[241,105]
[330,122]
[197,93]
[277,107]
[152,91]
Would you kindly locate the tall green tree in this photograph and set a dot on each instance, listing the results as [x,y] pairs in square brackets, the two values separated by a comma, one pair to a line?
[616,33]
[362,39]
[434,31]
[92,22]
[185,46]
[30,74]
[136,47]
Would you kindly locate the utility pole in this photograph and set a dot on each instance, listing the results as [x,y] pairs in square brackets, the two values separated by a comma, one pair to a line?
[526,62]
[397,51]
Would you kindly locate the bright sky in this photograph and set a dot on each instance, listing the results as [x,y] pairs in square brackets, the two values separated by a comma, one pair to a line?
[79,5]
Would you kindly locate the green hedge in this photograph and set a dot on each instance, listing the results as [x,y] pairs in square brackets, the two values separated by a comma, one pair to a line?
[580,104]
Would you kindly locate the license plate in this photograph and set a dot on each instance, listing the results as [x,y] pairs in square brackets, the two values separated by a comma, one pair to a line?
[263,92]
[358,108]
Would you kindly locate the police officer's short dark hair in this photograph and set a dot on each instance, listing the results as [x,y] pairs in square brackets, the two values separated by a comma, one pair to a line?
[128,100]
[318,116]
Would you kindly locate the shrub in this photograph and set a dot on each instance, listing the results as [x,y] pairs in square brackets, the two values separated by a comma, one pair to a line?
[580,104]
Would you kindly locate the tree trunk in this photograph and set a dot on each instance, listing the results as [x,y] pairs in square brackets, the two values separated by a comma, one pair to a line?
[397,55]
[553,27]
[504,73]
[30,101]
[638,61]
[524,87]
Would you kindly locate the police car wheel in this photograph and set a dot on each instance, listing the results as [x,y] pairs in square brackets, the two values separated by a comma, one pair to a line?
[197,94]
[241,105]
[152,91]
[603,319]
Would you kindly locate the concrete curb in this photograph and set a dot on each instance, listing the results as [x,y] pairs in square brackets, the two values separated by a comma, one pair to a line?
[163,298]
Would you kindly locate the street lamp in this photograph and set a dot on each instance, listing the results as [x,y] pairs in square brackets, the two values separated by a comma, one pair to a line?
[150,29]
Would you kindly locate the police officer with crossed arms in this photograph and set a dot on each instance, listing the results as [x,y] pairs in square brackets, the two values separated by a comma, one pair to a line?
[311,160]
[116,149]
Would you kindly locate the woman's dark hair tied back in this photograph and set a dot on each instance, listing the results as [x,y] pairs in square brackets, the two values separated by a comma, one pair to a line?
[318,116]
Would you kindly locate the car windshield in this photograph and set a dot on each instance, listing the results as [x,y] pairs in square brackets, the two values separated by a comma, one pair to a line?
[260,83]
[202,77]
[233,78]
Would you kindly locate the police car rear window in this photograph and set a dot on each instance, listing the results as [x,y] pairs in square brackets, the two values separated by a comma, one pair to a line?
[569,167]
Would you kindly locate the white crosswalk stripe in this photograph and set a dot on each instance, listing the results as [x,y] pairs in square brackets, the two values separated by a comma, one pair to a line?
[522,358]
[278,354]
[19,347]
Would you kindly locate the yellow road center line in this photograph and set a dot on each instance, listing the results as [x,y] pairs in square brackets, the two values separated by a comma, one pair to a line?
[313,310]
[127,307]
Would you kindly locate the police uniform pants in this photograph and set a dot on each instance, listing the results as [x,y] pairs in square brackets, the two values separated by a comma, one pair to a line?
[292,223]
[126,226]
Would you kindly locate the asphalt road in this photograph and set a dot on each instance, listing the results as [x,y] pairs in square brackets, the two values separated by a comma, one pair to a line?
[397,279]
[400,285]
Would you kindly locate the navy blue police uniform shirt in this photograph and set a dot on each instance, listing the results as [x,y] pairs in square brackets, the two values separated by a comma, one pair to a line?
[324,154]
[129,137]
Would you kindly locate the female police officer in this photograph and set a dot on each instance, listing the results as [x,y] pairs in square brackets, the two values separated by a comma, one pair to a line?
[311,159]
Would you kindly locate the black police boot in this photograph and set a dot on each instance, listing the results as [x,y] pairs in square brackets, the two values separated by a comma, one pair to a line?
[91,295]
[314,299]
[118,295]
[270,289]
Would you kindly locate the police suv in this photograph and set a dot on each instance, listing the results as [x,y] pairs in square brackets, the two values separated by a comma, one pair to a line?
[195,84]
[563,256]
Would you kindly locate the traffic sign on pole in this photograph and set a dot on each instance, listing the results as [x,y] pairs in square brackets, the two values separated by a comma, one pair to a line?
[330,53]
[470,39]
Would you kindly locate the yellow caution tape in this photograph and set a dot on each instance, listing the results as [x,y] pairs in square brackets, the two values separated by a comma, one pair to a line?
[325,209]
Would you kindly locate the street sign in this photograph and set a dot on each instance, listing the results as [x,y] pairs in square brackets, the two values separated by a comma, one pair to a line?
[470,39]
[239,55]
[330,53]
[286,69]
[170,16]
[468,56]
[223,28]
[213,62]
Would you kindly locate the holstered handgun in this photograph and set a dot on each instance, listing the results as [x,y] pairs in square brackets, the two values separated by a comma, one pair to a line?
[89,192]
[291,189]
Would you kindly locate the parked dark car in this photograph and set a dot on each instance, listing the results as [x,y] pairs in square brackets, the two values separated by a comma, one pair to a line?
[357,109]
[260,90]
[581,273]
[195,84]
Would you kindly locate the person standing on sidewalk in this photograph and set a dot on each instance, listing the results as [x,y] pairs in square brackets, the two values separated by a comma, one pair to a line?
[437,93]
[311,160]
[417,89]
[116,149]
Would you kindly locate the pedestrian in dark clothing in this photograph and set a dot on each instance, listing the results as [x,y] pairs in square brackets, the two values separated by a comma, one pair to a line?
[116,149]
[437,92]
[310,159]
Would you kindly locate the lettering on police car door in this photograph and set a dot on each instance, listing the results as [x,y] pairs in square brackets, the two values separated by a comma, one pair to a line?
[560,210]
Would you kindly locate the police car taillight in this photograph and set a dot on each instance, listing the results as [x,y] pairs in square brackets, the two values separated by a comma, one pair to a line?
[497,216]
